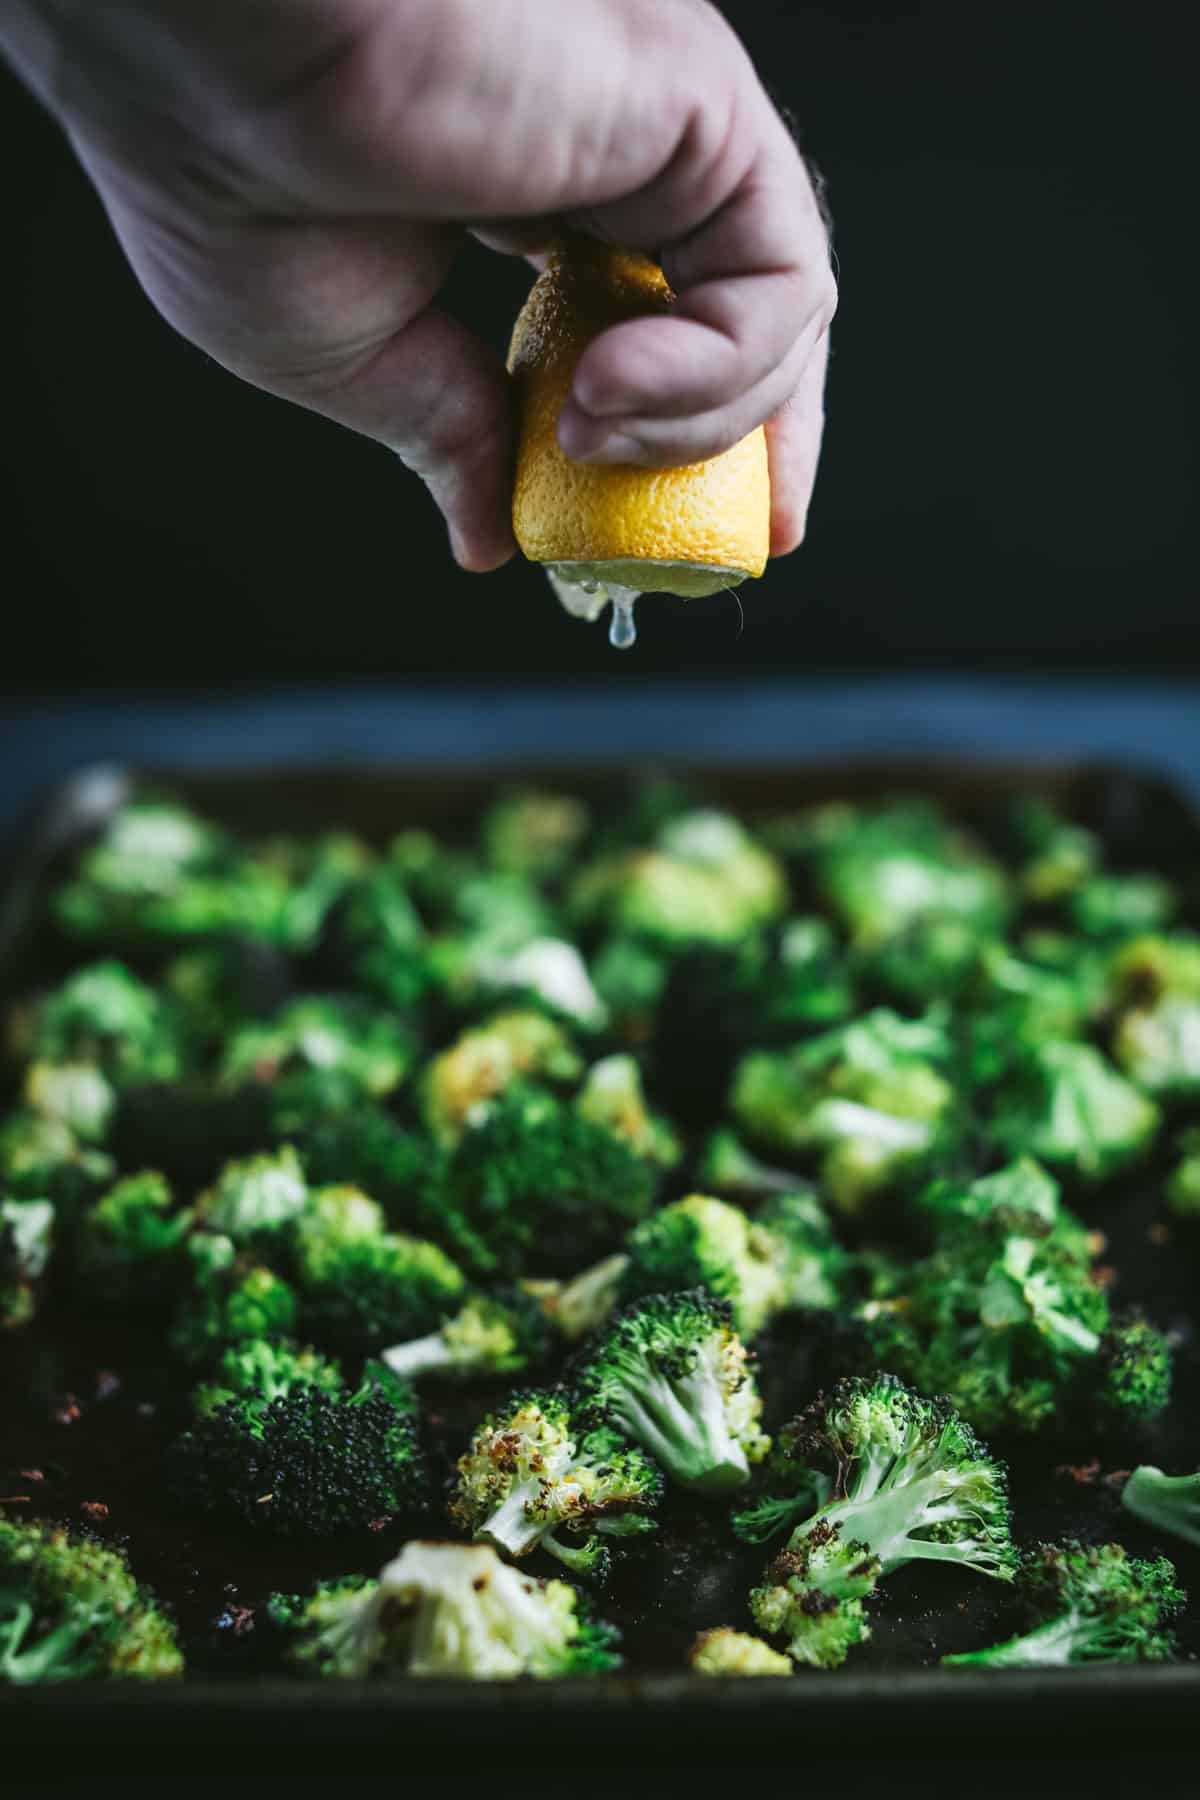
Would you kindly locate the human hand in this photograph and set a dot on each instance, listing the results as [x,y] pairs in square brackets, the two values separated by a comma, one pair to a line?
[291,179]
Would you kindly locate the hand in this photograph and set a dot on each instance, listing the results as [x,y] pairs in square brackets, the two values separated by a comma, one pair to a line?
[291,179]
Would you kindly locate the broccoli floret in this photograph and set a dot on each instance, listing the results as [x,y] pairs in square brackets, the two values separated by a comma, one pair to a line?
[76,1095]
[297,1453]
[528,1475]
[1183,1187]
[1116,906]
[546,972]
[935,956]
[447,1610]
[533,834]
[129,1246]
[372,1049]
[490,1334]
[362,1289]
[726,1167]
[70,1610]
[705,880]
[1168,1502]
[260,1369]
[1068,1106]
[401,1169]
[783,1258]
[1134,1367]
[1087,1603]
[219,987]
[26,1239]
[1022,1192]
[813,1593]
[578,1306]
[882,871]
[230,1298]
[42,1159]
[147,850]
[724,1651]
[103,1015]
[612,1096]
[459,1085]
[630,978]
[1156,1036]
[378,937]
[1015,1005]
[869,1095]
[670,1373]
[537,1182]
[905,1476]
[1055,856]
[255,1198]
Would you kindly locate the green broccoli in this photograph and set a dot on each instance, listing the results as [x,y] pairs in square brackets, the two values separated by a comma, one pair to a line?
[103,1015]
[535,1182]
[724,1651]
[129,1247]
[70,1610]
[401,1169]
[1117,906]
[1087,1603]
[883,870]
[544,972]
[371,1048]
[362,1288]
[26,1238]
[785,1257]
[901,1474]
[704,880]
[42,1159]
[726,1167]
[630,977]
[1014,1005]
[528,1476]
[1168,1502]
[870,1096]
[448,1611]
[256,1197]
[577,1306]
[460,1083]
[1068,1106]
[497,1333]
[294,1451]
[147,851]
[612,1097]
[813,1592]
[533,835]
[1134,1371]
[378,938]
[230,1297]
[263,1369]
[76,1095]
[1156,1035]
[1183,1187]
[1055,856]
[216,988]
[670,1373]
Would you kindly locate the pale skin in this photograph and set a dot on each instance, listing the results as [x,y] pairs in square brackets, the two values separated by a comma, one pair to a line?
[291,180]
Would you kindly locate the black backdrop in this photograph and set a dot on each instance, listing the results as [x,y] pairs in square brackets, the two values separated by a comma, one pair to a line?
[1011,456]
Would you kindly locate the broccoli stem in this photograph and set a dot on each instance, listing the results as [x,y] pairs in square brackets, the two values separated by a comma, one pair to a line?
[888,1515]
[509,1528]
[682,1425]
[423,1356]
[52,1657]
[1072,1638]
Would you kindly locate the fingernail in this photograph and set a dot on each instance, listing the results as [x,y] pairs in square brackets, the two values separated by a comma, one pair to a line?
[588,441]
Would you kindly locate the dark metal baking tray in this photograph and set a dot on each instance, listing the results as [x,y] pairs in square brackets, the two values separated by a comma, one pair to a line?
[691,1575]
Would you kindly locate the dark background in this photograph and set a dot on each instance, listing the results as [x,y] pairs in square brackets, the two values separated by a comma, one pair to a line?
[1010,460]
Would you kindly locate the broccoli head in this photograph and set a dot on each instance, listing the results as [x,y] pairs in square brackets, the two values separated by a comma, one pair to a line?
[1168,1502]
[370,1047]
[77,1095]
[612,1097]
[43,1159]
[903,1475]
[448,1611]
[255,1198]
[1156,1034]
[884,870]
[362,1290]
[459,1085]
[1068,1106]
[230,1297]
[129,1247]
[704,880]
[1134,1367]
[812,1594]
[103,1015]
[496,1333]
[1054,855]
[726,1167]
[670,1373]
[1087,1603]
[532,834]
[527,1477]
[295,1451]
[724,1651]
[1183,1187]
[26,1239]
[1120,906]
[70,1610]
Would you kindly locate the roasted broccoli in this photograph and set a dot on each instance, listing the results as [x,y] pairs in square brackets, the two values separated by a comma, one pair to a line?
[372,1048]
[812,1594]
[26,1239]
[1067,1106]
[1156,1034]
[291,1450]
[1055,856]
[129,1247]
[727,1167]
[459,1084]
[1168,1502]
[528,1477]
[1183,1187]
[1087,1603]
[42,1159]
[255,1198]
[446,1610]
[724,1651]
[229,1297]
[670,1373]
[785,1257]
[361,1288]
[533,835]
[1119,906]
[897,1472]
[704,880]
[612,1097]
[104,1015]
[70,1610]
[496,1333]
[78,1096]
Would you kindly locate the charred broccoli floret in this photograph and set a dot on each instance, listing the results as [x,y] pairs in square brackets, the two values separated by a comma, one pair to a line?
[901,1474]
[460,1084]
[362,1288]
[1156,1035]
[785,1257]
[70,1610]
[670,1373]
[528,1477]
[26,1239]
[448,1611]
[1168,1502]
[296,1452]
[1087,1603]
[724,1651]
[812,1594]
[612,1097]
[129,1247]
